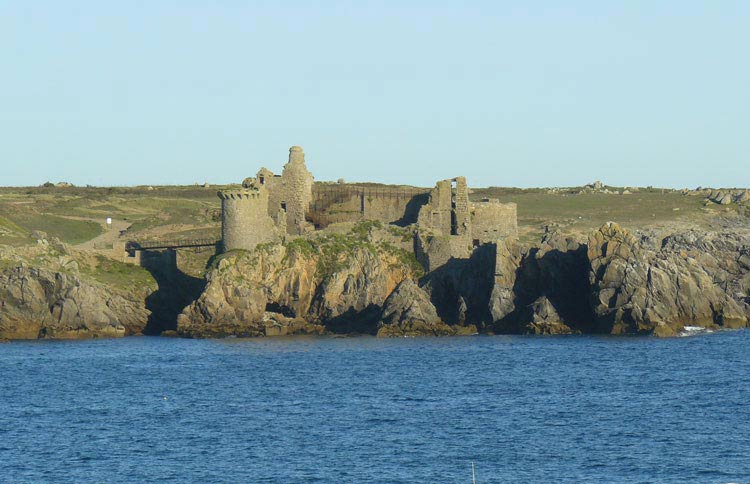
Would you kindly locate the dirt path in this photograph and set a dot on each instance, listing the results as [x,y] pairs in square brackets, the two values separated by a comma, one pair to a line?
[109,236]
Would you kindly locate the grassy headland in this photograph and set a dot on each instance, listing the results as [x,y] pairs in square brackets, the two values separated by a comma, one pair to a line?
[77,214]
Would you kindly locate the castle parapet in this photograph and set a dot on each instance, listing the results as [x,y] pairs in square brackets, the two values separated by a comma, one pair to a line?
[239,194]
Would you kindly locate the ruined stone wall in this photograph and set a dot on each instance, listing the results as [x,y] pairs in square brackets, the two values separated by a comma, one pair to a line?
[244,219]
[275,201]
[492,221]
[289,195]
[274,186]
[450,227]
[436,214]
[447,212]
[297,182]
[461,222]
[351,203]
[335,204]
[393,205]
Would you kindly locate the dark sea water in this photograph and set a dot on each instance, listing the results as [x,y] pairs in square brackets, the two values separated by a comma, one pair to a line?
[523,409]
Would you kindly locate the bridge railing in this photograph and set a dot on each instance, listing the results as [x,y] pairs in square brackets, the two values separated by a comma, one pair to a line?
[135,245]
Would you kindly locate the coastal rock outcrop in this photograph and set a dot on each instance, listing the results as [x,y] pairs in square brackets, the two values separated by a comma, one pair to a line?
[695,279]
[542,289]
[339,281]
[409,312]
[543,318]
[51,299]
[508,256]
[615,283]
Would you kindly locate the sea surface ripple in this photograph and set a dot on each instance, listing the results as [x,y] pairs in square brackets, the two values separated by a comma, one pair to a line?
[523,409]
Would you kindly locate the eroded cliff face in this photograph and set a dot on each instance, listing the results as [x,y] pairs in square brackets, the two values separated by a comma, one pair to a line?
[335,283]
[45,294]
[639,285]
[542,289]
[613,283]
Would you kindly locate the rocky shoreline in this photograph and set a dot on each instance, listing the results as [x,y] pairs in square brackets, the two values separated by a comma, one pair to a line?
[366,282]
[50,291]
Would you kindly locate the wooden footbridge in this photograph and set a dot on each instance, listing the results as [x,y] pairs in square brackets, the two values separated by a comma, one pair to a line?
[160,244]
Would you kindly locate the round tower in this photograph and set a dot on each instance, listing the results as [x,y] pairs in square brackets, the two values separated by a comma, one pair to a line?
[244,218]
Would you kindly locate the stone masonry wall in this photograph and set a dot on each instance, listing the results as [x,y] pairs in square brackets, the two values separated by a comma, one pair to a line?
[492,220]
[447,212]
[435,216]
[244,219]
[462,217]
[273,184]
[351,203]
[297,182]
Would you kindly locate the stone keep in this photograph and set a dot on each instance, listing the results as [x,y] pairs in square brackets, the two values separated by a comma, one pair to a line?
[244,218]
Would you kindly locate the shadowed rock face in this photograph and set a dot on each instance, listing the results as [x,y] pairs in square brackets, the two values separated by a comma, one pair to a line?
[409,312]
[543,318]
[462,289]
[542,290]
[39,303]
[691,279]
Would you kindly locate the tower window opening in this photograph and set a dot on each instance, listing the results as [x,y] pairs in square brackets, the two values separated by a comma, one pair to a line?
[262,179]
[283,206]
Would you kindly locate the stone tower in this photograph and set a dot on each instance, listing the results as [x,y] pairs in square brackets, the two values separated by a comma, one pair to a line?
[244,218]
[297,184]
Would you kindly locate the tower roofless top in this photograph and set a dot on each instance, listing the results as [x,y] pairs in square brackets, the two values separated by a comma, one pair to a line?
[296,155]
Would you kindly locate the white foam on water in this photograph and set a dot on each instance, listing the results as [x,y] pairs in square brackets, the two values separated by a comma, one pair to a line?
[693,331]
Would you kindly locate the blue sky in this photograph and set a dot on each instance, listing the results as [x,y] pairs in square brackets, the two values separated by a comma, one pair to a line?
[506,93]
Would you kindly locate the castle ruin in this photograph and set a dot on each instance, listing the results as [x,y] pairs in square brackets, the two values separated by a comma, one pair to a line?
[447,224]
[289,194]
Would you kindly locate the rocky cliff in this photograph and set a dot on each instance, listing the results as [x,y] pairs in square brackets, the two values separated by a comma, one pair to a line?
[613,283]
[334,282]
[621,283]
[642,285]
[47,291]
[541,289]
